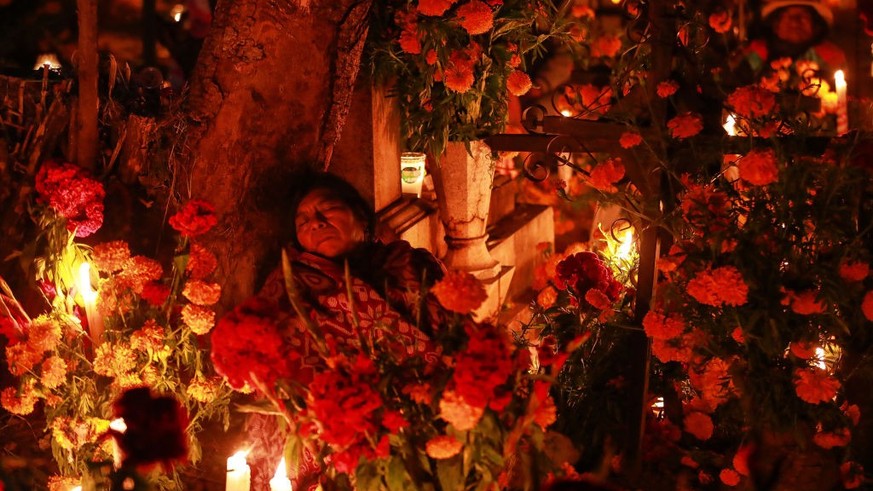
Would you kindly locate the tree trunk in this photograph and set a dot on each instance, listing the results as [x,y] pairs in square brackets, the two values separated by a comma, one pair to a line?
[268,97]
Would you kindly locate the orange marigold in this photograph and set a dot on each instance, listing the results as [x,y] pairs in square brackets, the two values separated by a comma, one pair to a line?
[752,101]
[729,476]
[831,439]
[546,413]
[202,293]
[667,88]
[741,459]
[547,297]
[434,7]
[204,390]
[659,326]
[598,299]
[419,393]
[150,337]
[18,403]
[443,447]
[758,167]
[607,46]
[475,17]
[737,335]
[606,174]
[867,306]
[409,41]
[719,286]
[110,256]
[458,78]
[21,358]
[720,21]
[138,271]
[852,474]
[671,350]
[198,318]
[806,302]
[685,125]
[699,424]
[518,83]
[814,386]
[459,292]
[43,334]
[854,271]
[458,413]
[53,373]
[201,262]
[430,57]
[802,350]
[113,360]
[61,483]
[630,139]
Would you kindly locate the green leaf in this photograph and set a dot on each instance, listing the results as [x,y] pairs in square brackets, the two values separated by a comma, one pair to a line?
[450,474]
[367,476]
[397,477]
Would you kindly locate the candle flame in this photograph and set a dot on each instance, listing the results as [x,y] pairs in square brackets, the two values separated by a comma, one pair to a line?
[177,12]
[49,59]
[83,284]
[76,488]
[118,425]
[730,125]
[237,460]
[839,77]
[566,113]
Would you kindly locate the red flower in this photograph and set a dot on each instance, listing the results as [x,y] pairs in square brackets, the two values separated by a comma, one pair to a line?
[434,7]
[852,474]
[685,125]
[667,88]
[867,306]
[247,342]
[475,17]
[443,447]
[630,139]
[459,292]
[699,424]
[659,326]
[814,386]
[202,293]
[719,286]
[752,101]
[155,293]
[831,439]
[720,21]
[201,262]
[583,271]
[195,218]
[854,271]
[72,195]
[606,174]
[607,46]
[409,41]
[758,167]
[729,476]
[518,83]
[459,78]
[482,366]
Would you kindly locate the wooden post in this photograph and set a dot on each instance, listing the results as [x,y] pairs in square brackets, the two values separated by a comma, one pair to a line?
[86,122]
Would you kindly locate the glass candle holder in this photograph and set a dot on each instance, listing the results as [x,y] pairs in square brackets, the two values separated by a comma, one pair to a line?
[412,172]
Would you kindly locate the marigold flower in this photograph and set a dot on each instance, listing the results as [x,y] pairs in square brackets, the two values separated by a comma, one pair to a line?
[831,439]
[518,83]
[867,306]
[806,302]
[667,88]
[21,403]
[113,360]
[660,326]
[758,167]
[198,318]
[802,350]
[21,358]
[60,427]
[685,125]
[420,393]
[409,41]
[443,447]
[457,412]
[431,57]
[201,262]
[606,174]
[195,218]
[852,474]
[598,299]
[150,337]
[53,373]
[138,271]
[719,286]
[61,483]
[458,78]
[434,8]
[475,17]
[203,390]
[741,459]
[110,256]
[154,293]
[202,293]
[729,476]
[699,425]
[720,21]
[854,271]
[738,336]
[671,350]
[459,292]
[547,297]
[752,101]
[814,386]
[546,413]
[43,334]
[630,139]
[605,46]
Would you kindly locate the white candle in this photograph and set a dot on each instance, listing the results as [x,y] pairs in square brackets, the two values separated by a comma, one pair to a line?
[120,426]
[842,103]
[280,481]
[89,299]
[239,475]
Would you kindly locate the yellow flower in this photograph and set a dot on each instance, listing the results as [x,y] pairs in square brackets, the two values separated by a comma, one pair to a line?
[59,428]
[54,372]
[202,390]
[198,319]
[110,256]
[460,414]
[18,403]
[150,337]
[21,358]
[113,360]
[443,447]
[43,334]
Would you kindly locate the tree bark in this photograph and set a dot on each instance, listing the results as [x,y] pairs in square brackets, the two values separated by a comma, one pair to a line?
[86,124]
[269,96]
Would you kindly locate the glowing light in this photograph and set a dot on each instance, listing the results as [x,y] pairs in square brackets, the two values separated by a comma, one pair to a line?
[83,284]
[625,250]
[76,488]
[239,475]
[566,113]
[730,125]
[820,358]
[118,425]
[658,406]
[49,59]
[280,481]
[177,11]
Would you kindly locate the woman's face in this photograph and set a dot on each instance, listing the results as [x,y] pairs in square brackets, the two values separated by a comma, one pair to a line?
[326,225]
[795,25]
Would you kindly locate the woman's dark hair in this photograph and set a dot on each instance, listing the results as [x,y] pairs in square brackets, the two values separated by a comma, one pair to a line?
[309,181]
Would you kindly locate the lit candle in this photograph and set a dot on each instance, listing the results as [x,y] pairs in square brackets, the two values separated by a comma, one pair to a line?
[280,481]
[842,103]
[239,475]
[120,426]
[89,298]
[730,125]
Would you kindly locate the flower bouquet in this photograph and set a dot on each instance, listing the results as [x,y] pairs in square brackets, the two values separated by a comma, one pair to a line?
[470,412]
[115,322]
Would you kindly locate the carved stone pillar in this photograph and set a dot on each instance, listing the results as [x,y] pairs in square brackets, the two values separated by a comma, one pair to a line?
[463,183]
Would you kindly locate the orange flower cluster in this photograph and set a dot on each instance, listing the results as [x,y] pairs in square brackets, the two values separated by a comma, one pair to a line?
[195,218]
[408,22]
[53,373]
[805,302]
[630,139]
[729,477]
[605,46]
[660,326]
[720,21]
[110,256]
[667,88]
[459,292]
[199,319]
[719,286]
[434,8]
[150,337]
[204,390]
[139,270]
[815,386]
[458,75]
[752,101]
[685,125]
[42,335]
[200,292]
[854,271]
[699,425]
[867,306]
[458,412]
[19,402]
[113,360]
[443,447]
[475,17]
[604,176]
[759,167]
[518,83]
[830,439]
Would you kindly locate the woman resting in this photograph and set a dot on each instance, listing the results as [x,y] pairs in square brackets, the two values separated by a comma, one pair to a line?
[334,227]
